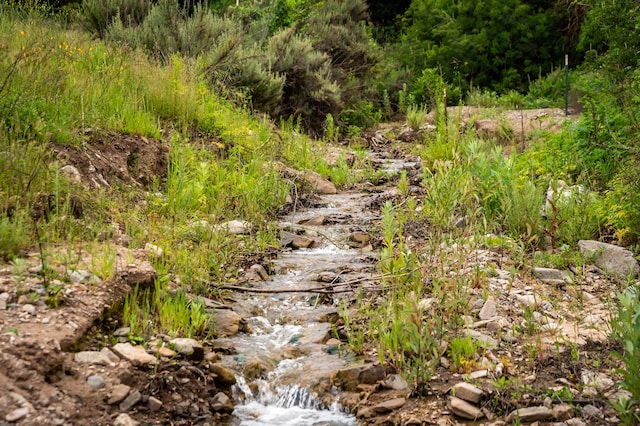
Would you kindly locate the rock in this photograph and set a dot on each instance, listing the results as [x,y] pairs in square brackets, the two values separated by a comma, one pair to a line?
[360,237]
[136,355]
[467,392]
[610,258]
[72,174]
[222,403]
[142,274]
[96,382]
[463,409]
[314,221]
[131,400]
[562,412]
[489,310]
[227,323]
[527,300]
[551,276]
[590,412]
[531,414]
[599,381]
[110,355]
[122,332]
[235,227]
[260,271]
[224,377]
[316,333]
[153,250]
[93,358]
[190,347]
[388,406]
[289,239]
[29,308]
[485,341]
[575,422]
[17,414]
[396,382]
[349,378]
[118,394]
[79,276]
[154,403]
[317,183]
[124,420]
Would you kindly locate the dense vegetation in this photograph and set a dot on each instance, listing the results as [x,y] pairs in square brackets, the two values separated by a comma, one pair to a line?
[199,75]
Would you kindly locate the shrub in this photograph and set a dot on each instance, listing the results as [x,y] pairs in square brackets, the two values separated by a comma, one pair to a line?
[415,116]
[98,15]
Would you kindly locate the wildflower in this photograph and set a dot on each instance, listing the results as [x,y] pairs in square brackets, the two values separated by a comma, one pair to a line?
[21,33]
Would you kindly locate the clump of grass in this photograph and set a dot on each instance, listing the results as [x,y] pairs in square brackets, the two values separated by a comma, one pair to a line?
[415,116]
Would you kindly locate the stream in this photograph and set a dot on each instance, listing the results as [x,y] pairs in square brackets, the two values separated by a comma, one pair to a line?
[284,364]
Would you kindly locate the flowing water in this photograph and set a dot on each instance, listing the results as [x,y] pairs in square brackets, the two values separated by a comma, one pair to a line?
[289,330]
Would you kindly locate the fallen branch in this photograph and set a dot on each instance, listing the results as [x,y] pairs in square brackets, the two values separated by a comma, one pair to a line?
[320,290]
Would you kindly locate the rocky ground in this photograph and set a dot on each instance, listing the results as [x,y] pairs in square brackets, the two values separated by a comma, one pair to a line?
[67,361]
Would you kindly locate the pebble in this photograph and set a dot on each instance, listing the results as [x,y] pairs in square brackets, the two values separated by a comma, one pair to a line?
[463,409]
[389,405]
[95,382]
[467,391]
[122,332]
[563,412]
[154,403]
[17,414]
[118,394]
[136,355]
[489,310]
[531,414]
[124,419]
[591,411]
[131,400]
[29,308]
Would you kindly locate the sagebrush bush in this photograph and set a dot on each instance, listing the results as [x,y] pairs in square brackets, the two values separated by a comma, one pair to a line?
[98,15]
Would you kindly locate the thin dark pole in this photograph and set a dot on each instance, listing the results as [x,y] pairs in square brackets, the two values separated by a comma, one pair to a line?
[566,84]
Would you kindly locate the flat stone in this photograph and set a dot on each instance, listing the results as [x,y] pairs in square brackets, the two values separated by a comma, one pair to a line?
[96,382]
[613,259]
[360,237]
[122,332]
[388,406]
[575,422]
[551,276]
[316,333]
[314,221]
[463,409]
[235,227]
[486,341]
[108,353]
[132,399]
[289,239]
[531,414]
[221,403]
[260,271]
[190,347]
[17,414]
[527,300]
[136,355]
[467,392]
[29,308]
[591,411]
[92,357]
[124,419]
[154,403]
[489,310]
[118,394]
[562,412]
[142,274]
[317,183]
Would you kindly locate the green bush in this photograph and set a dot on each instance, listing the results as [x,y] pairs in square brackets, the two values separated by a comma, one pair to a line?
[98,15]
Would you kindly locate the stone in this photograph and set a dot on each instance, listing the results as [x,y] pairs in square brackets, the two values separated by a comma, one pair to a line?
[360,237]
[591,412]
[122,332]
[485,341]
[531,414]
[260,271]
[467,391]
[79,276]
[389,406]
[527,300]
[551,276]
[227,323]
[316,333]
[190,347]
[463,409]
[235,227]
[289,239]
[72,174]
[132,399]
[612,259]
[489,310]
[224,377]
[154,403]
[110,355]
[96,382]
[317,183]
[17,414]
[136,355]
[349,378]
[314,221]
[599,381]
[143,274]
[153,250]
[124,419]
[29,308]
[562,412]
[92,357]
[575,422]
[118,394]
[221,403]
[396,382]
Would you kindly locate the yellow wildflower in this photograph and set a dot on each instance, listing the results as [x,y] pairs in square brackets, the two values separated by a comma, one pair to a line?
[21,33]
